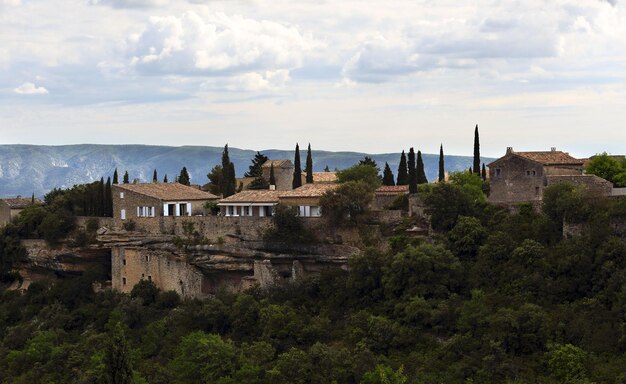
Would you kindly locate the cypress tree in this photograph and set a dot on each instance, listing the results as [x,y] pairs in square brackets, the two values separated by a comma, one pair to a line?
[155,178]
[297,169]
[183,178]
[442,170]
[403,177]
[476,166]
[483,173]
[165,178]
[126,179]
[412,172]
[388,176]
[227,183]
[272,176]
[309,166]
[470,170]
[32,199]
[421,173]
[109,198]
[117,366]
[101,200]
[115,177]
[327,169]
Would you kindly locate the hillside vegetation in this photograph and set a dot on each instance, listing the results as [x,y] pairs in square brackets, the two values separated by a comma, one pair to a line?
[493,297]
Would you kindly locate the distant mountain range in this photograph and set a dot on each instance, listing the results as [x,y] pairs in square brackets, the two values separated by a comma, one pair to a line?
[27,169]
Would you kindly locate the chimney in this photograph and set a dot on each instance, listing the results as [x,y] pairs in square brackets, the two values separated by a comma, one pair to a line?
[553,149]
[272,187]
[509,150]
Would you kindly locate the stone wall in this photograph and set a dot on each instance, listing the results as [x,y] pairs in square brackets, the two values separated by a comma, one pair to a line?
[131,201]
[513,184]
[282,175]
[81,221]
[593,184]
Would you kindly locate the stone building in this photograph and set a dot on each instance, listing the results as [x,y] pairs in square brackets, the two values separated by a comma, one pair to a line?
[149,200]
[11,207]
[520,177]
[253,203]
[386,194]
[306,198]
[283,173]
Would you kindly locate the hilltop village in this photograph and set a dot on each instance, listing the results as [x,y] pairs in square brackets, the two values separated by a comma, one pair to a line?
[509,271]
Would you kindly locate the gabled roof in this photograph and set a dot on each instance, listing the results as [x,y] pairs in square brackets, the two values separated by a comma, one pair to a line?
[167,191]
[552,157]
[284,163]
[308,190]
[392,189]
[323,177]
[19,202]
[253,196]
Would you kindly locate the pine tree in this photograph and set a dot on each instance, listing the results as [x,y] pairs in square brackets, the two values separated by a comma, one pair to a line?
[32,199]
[442,170]
[309,166]
[297,169]
[101,200]
[272,176]
[369,161]
[421,173]
[165,178]
[126,179]
[327,169]
[476,166]
[227,181]
[109,198]
[155,178]
[117,357]
[412,172]
[403,177]
[388,176]
[256,167]
[183,177]
[115,176]
[483,173]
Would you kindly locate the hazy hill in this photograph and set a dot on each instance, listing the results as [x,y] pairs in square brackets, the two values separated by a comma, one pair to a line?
[25,169]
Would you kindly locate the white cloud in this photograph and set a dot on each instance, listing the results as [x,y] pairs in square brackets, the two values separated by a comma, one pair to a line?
[216,44]
[30,89]
[130,3]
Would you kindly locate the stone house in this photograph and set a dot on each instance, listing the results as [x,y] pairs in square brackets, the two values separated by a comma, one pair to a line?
[11,208]
[253,203]
[306,198]
[386,194]
[149,200]
[283,173]
[520,177]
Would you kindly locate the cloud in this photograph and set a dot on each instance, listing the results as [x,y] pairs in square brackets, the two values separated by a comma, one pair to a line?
[30,89]
[130,3]
[217,45]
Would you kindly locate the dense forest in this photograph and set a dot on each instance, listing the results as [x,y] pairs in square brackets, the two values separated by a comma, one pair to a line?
[492,297]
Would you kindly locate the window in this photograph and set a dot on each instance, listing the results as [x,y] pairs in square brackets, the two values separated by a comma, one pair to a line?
[123,214]
[121,195]
[149,278]
[147,258]
[123,281]
[124,261]
[531,173]
[498,172]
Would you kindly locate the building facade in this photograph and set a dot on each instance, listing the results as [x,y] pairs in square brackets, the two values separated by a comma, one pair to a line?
[11,208]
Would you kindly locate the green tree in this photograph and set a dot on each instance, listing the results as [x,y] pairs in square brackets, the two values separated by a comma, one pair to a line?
[483,173]
[608,168]
[383,374]
[347,202]
[126,179]
[108,193]
[442,170]
[358,172]
[567,364]
[476,164]
[227,181]
[369,161]
[309,166]
[421,173]
[388,176]
[466,237]
[412,172]
[215,180]
[403,177]
[165,178]
[445,203]
[115,181]
[272,175]
[118,369]
[155,178]
[183,177]
[255,169]
[203,358]
[297,169]
[146,291]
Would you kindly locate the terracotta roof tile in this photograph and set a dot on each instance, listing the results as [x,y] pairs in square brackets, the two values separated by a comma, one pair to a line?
[167,191]
[323,177]
[309,190]
[284,163]
[19,202]
[550,157]
[253,196]
[392,189]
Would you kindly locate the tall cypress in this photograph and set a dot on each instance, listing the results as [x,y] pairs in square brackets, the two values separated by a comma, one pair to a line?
[297,169]
[108,194]
[309,166]
[421,173]
[403,177]
[101,199]
[126,178]
[272,176]
[165,178]
[117,357]
[476,166]
[155,178]
[388,176]
[115,177]
[442,170]
[412,172]
[483,173]
[183,177]
[227,183]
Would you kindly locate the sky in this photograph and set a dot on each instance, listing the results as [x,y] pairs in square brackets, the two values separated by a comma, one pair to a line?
[369,76]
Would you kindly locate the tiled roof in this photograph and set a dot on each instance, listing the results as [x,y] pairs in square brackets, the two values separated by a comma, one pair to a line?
[550,157]
[19,202]
[167,191]
[278,164]
[309,190]
[253,196]
[392,189]
[323,177]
